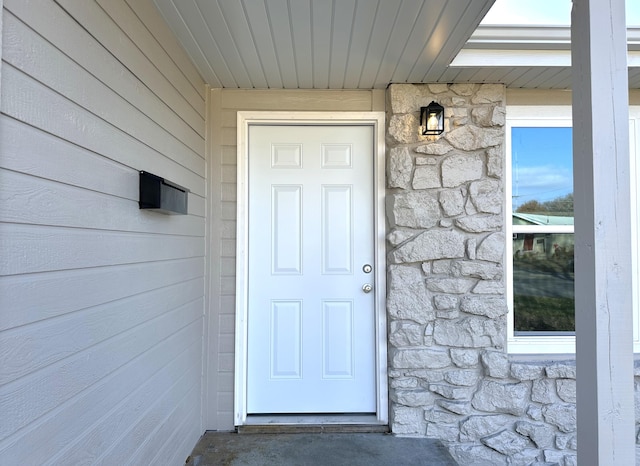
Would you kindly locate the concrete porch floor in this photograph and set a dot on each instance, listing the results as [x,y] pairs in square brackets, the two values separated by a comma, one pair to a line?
[353,449]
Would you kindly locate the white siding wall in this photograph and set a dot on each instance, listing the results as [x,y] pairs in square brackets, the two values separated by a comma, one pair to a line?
[101,304]
[224,106]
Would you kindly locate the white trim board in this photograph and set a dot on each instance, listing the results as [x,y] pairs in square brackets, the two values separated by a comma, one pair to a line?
[511,58]
[244,120]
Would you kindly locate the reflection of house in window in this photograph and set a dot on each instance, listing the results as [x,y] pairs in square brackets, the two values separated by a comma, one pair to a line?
[542,271]
[547,234]
[528,242]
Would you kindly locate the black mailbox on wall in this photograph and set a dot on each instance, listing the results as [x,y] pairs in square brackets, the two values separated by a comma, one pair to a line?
[162,196]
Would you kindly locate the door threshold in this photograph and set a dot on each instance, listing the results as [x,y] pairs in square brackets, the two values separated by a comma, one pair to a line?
[286,423]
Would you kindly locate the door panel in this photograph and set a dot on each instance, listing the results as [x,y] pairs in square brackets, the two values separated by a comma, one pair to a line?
[286,339]
[337,230]
[286,234]
[311,327]
[337,341]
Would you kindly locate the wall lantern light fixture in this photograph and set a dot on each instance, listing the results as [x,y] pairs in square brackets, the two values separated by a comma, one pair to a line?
[432,119]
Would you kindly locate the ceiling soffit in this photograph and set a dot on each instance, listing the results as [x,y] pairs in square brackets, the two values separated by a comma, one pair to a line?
[368,44]
[322,44]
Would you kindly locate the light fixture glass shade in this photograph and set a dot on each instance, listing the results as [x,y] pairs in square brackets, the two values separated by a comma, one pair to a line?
[432,119]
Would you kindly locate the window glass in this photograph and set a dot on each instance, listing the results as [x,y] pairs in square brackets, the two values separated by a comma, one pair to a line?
[542,230]
[543,277]
[542,168]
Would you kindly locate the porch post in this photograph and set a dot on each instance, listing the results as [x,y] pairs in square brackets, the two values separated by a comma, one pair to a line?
[604,346]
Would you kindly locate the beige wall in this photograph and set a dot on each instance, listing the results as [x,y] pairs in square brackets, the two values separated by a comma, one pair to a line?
[223,107]
[101,304]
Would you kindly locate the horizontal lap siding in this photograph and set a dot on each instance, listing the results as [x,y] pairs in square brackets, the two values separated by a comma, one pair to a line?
[225,104]
[101,304]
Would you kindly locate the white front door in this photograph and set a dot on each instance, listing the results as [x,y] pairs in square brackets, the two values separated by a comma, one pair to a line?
[311,325]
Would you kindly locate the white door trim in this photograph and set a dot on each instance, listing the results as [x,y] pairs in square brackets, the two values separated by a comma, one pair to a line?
[375,119]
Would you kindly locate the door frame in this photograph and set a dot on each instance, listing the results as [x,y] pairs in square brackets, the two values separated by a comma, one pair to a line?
[377,121]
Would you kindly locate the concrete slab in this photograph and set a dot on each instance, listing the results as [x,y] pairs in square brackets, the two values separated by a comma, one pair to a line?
[335,449]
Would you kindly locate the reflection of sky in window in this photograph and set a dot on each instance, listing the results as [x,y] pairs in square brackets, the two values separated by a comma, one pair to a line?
[541,162]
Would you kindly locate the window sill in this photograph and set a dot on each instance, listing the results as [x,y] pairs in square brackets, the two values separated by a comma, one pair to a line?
[548,346]
[542,345]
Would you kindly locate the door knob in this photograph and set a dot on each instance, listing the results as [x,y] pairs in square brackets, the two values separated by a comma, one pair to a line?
[367,288]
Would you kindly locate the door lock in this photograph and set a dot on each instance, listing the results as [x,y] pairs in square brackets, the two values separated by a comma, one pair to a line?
[366,268]
[367,288]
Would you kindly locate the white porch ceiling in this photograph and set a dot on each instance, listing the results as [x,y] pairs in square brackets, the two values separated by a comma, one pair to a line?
[322,44]
[365,44]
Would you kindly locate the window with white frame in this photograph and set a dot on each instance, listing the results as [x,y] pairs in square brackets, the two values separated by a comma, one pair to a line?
[540,228]
[540,239]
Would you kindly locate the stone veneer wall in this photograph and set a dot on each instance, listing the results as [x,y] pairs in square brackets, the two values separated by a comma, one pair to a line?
[450,376]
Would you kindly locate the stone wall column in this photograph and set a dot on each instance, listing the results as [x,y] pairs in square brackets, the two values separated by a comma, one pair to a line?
[450,375]
[446,292]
